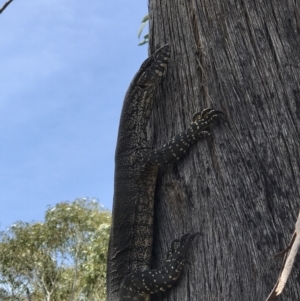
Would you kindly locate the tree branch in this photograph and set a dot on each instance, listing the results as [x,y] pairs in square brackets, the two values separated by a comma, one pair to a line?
[5,5]
[289,254]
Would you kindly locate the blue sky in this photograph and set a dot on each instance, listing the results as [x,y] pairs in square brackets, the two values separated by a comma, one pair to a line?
[64,69]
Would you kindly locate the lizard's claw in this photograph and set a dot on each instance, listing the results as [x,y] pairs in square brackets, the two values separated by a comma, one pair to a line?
[209,115]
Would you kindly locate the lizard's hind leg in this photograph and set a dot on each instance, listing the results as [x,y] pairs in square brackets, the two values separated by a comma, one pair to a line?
[139,285]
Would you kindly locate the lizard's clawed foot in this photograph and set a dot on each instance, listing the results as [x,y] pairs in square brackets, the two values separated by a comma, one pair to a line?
[203,120]
[209,116]
[185,242]
[178,248]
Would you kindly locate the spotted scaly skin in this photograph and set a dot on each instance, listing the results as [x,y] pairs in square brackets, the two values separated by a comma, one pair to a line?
[136,167]
[141,284]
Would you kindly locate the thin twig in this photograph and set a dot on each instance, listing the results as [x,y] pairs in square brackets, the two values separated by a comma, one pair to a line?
[5,5]
[289,253]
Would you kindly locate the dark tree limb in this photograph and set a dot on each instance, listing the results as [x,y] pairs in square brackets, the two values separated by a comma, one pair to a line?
[5,5]
[289,254]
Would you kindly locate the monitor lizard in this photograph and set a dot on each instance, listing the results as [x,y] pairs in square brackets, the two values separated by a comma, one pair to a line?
[129,276]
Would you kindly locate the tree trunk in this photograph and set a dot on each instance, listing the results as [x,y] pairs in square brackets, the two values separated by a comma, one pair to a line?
[240,188]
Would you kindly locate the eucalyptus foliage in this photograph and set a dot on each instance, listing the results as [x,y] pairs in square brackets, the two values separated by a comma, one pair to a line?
[146,37]
[63,258]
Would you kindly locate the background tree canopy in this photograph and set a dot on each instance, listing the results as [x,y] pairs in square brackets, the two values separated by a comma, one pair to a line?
[63,258]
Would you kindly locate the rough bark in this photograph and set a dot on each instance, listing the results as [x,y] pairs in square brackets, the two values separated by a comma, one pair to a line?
[240,188]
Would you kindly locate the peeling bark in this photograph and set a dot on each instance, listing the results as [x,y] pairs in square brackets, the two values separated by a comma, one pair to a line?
[289,254]
[240,188]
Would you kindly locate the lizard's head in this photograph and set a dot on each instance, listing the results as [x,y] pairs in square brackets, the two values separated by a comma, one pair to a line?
[153,67]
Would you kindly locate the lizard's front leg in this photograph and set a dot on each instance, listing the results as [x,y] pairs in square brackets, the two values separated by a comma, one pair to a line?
[139,285]
[179,144]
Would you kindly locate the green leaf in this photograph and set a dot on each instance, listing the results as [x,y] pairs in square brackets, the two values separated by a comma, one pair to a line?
[145,41]
[144,21]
